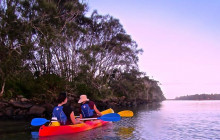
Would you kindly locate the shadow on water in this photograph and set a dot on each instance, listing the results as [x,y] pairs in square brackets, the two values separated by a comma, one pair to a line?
[124,129]
[18,130]
[159,121]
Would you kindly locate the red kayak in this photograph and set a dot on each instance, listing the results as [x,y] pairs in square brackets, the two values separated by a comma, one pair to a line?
[68,129]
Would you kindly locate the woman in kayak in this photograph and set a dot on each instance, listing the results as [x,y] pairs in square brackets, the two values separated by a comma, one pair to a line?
[88,108]
[64,113]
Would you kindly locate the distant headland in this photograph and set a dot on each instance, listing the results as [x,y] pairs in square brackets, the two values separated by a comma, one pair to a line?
[199,97]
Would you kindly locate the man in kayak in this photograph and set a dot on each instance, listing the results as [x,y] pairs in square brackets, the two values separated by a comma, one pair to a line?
[64,113]
[88,108]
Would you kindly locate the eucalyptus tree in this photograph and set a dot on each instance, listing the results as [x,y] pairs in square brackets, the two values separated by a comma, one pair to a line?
[51,22]
[13,49]
[105,48]
[56,39]
[33,35]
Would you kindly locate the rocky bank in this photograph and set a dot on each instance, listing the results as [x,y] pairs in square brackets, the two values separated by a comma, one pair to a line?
[22,108]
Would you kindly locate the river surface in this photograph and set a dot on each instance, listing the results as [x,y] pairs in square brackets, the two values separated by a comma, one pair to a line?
[168,120]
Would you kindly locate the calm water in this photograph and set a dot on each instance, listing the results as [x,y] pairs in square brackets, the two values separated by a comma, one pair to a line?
[169,120]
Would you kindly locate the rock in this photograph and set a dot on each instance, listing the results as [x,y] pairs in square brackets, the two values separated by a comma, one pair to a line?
[20,96]
[1,114]
[112,105]
[9,111]
[16,111]
[21,105]
[114,99]
[11,101]
[36,110]
[3,105]
[21,113]
[24,100]
[48,107]
[134,103]
[128,103]
[122,98]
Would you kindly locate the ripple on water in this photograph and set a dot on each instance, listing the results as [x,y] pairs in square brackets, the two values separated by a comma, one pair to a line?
[172,120]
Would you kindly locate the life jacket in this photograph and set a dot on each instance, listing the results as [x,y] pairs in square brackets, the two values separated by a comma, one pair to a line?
[86,110]
[61,116]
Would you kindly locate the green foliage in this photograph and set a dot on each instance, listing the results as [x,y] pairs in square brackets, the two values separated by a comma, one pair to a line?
[130,84]
[50,46]
[83,89]
[200,97]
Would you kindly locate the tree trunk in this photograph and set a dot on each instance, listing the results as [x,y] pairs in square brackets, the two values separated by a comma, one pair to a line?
[3,89]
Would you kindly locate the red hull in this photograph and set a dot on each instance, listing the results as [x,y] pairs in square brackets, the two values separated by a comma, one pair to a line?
[68,129]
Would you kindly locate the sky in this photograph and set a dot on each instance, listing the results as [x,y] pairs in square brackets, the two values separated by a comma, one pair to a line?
[180,40]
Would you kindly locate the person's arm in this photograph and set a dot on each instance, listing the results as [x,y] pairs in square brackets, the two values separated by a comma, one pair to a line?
[97,111]
[80,116]
[72,117]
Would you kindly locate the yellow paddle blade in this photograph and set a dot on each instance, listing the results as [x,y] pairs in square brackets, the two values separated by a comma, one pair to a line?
[107,111]
[126,113]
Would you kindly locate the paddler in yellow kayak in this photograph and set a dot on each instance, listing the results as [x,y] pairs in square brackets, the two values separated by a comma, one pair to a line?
[63,113]
[88,108]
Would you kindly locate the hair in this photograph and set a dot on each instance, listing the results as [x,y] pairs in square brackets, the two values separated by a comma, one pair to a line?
[61,97]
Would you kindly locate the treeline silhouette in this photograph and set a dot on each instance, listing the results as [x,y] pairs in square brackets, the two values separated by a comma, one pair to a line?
[49,46]
[199,97]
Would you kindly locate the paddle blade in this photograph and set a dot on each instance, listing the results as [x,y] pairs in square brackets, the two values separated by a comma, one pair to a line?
[126,113]
[38,121]
[107,111]
[114,117]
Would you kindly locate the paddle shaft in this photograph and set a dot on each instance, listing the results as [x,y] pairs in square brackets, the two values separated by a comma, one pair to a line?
[124,113]
[87,119]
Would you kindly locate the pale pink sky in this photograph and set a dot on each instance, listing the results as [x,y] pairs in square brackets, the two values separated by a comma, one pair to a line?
[180,39]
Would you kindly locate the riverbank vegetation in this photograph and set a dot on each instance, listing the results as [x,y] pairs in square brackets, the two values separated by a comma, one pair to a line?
[48,46]
[199,97]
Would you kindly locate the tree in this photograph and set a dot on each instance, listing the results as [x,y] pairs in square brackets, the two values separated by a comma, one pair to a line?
[105,48]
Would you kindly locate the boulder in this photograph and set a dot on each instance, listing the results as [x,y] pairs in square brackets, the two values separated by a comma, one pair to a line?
[20,96]
[36,110]
[3,105]
[1,114]
[21,105]
[11,101]
[9,111]
[21,113]
[24,100]
[16,111]
[48,107]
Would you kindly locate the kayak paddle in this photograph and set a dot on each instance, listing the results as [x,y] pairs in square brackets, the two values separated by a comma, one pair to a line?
[126,113]
[114,117]
[39,121]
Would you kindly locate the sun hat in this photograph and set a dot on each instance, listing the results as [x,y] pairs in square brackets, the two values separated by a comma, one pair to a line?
[83,98]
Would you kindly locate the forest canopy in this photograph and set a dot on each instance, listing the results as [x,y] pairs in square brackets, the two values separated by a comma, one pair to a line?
[48,46]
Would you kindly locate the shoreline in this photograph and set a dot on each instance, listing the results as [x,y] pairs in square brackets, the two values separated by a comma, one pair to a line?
[24,109]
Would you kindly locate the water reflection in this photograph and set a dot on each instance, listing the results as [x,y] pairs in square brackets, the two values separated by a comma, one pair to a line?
[34,135]
[97,133]
[125,132]
[124,129]
[165,121]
